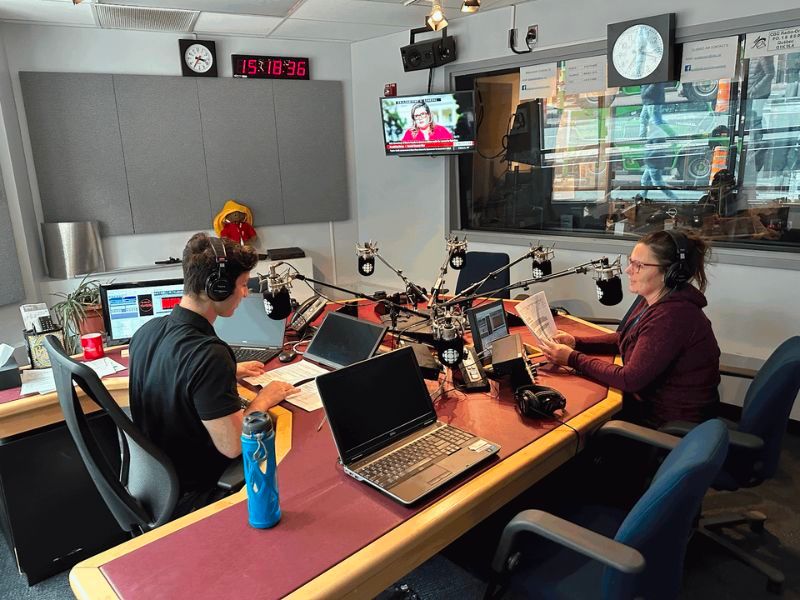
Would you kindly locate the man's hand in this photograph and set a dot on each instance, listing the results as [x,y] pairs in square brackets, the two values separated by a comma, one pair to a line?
[249,368]
[272,394]
[555,352]
[562,337]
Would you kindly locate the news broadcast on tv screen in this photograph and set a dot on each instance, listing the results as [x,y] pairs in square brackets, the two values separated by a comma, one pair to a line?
[429,123]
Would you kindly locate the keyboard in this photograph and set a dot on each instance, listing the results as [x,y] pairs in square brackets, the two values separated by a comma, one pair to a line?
[414,457]
[260,354]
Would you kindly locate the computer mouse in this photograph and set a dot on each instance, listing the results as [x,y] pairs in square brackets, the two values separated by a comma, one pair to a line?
[287,356]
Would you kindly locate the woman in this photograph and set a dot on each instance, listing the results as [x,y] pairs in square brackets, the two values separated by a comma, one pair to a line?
[422,126]
[670,354]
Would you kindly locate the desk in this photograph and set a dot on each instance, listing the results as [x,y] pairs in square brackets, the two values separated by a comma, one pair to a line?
[338,537]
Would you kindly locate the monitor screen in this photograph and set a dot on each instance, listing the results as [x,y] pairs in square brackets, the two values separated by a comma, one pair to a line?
[249,325]
[429,123]
[487,323]
[128,306]
[342,340]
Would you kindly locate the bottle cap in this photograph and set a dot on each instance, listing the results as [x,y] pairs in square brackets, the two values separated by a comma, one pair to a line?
[257,422]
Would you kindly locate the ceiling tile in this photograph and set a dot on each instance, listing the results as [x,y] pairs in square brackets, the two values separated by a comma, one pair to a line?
[327,31]
[271,8]
[46,11]
[222,23]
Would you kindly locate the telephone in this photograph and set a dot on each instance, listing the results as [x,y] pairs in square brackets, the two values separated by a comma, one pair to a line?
[472,372]
[44,324]
[307,312]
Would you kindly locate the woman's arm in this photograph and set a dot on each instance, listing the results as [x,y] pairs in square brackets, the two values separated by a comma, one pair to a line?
[604,343]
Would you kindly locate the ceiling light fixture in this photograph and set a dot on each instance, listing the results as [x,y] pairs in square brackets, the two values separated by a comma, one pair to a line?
[436,20]
[470,6]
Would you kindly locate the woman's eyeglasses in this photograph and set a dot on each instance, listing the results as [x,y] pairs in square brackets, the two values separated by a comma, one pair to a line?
[420,116]
[637,264]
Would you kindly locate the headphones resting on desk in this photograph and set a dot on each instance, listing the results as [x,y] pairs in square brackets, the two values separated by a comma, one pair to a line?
[219,286]
[678,273]
[537,401]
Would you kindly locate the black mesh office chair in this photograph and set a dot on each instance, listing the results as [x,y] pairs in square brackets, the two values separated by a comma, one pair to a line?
[143,494]
[477,266]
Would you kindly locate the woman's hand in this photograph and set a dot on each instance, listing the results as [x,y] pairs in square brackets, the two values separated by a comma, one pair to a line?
[249,368]
[555,352]
[562,337]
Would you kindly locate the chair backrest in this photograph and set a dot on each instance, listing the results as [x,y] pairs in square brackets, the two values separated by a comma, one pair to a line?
[769,401]
[144,493]
[478,265]
[660,523]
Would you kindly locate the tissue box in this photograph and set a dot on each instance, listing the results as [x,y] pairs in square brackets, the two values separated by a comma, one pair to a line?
[9,375]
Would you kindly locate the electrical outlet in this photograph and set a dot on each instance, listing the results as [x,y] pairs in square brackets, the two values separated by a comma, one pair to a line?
[532,36]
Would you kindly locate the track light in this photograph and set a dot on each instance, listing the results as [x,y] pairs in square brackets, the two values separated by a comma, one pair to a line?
[436,20]
[470,6]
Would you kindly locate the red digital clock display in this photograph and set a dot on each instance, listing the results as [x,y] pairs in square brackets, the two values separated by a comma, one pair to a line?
[269,67]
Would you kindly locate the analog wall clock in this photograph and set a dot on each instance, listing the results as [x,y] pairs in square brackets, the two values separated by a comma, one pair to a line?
[198,58]
[641,51]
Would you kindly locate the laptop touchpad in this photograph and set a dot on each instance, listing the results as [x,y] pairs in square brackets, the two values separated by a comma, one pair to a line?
[433,474]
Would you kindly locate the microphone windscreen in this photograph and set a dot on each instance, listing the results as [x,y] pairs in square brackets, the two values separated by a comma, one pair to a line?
[458,259]
[541,269]
[366,265]
[277,305]
[609,292]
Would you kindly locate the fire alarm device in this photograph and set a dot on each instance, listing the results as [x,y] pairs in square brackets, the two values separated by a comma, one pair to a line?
[390,89]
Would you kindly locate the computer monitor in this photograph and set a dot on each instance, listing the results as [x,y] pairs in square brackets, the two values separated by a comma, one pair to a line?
[487,323]
[127,306]
[342,340]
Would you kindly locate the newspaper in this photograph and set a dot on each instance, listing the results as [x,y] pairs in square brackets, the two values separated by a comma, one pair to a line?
[303,371]
[535,313]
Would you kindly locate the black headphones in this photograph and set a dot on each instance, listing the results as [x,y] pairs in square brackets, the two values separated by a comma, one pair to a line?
[537,401]
[219,287]
[678,273]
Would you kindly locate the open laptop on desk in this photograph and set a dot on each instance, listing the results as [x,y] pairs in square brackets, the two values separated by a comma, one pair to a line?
[250,333]
[342,340]
[385,428]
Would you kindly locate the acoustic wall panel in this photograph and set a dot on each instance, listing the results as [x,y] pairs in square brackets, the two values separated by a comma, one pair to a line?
[241,146]
[77,150]
[311,145]
[12,290]
[159,119]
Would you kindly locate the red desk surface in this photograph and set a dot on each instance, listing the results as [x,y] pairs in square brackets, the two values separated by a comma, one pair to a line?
[327,516]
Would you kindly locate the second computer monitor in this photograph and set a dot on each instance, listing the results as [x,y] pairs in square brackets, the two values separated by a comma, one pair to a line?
[487,323]
[128,306]
[342,340]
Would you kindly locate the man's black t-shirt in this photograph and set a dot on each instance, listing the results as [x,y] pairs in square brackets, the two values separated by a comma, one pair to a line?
[182,373]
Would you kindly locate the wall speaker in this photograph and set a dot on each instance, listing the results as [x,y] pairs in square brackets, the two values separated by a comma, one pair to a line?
[428,54]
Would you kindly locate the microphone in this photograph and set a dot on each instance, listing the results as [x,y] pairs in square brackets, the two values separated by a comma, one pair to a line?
[277,303]
[542,261]
[458,252]
[366,258]
[608,282]
[448,337]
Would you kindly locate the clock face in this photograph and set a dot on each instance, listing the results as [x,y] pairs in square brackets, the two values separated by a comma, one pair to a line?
[638,51]
[198,58]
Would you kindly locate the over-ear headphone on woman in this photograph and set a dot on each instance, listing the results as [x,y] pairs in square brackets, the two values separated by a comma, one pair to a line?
[537,401]
[219,286]
[678,273]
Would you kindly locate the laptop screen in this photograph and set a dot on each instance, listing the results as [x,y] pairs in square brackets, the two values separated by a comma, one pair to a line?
[487,323]
[129,305]
[342,340]
[250,326]
[374,403]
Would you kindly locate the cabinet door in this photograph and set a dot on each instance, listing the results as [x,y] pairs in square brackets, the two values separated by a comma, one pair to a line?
[241,145]
[311,143]
[159,118]
[77,151]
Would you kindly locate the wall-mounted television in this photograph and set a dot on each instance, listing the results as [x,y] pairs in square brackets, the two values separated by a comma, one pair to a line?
[428,124]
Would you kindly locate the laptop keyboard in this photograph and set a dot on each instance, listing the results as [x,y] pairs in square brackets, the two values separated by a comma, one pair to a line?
[260,354]
[414,457]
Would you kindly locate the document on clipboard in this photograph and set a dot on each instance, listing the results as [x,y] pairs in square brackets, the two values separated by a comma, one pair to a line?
[535,313]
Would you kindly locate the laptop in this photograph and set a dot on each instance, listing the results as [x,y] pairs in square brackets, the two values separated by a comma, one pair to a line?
[342,340]
[386,432]
[250,333]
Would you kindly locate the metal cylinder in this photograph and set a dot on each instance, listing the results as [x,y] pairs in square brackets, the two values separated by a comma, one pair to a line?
[72,249]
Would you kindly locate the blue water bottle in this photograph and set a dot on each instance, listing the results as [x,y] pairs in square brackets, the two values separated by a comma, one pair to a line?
[260,470]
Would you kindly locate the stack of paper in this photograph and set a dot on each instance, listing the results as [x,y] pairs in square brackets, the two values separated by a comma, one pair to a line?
[535,313]
[308,397]
[40,381]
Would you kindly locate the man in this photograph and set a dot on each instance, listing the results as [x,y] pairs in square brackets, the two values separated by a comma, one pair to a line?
[653,99]
[183,391]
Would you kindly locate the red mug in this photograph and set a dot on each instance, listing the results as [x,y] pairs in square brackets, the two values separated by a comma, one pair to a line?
[92,344]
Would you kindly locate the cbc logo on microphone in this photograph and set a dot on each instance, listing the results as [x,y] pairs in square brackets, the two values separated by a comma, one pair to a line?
[599,291]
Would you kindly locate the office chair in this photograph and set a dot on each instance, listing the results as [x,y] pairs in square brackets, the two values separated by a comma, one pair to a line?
[605,553]
[755,445]
[478,265]
[144,493]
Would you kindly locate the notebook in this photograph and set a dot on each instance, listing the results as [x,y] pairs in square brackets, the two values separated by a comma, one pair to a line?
[342,340]
[250,332]
[386,431]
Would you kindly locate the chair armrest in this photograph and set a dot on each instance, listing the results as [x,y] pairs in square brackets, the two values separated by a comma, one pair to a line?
[737,439]
[659,439]
[742,372]
[584,541]
[232,479]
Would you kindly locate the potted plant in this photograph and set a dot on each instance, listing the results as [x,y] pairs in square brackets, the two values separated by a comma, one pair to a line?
[79,312]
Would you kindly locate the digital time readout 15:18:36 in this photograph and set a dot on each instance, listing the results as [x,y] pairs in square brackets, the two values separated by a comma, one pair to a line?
[270,67]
